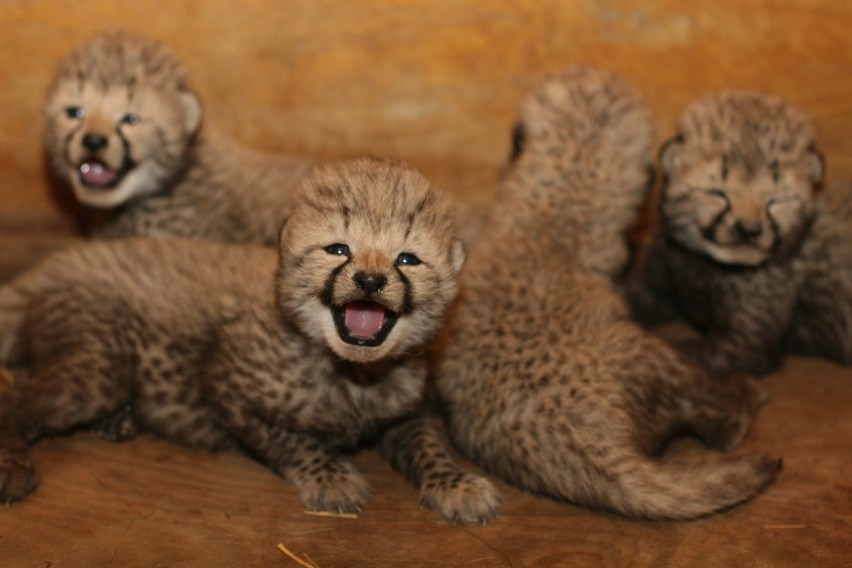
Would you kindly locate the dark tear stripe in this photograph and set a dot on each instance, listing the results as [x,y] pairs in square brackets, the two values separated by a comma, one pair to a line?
[126,145]
[407,299]
[327,294]
[68,140]
[127,163]
[708,232]
[776,237]
[346,217]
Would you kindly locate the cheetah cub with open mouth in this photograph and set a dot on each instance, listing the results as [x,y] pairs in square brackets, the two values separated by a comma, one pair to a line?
[294,356]
[122,129]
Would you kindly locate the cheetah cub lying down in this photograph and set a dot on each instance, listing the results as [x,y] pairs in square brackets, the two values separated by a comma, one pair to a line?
[292,356]
[749,250]
[546,381]
[122,129]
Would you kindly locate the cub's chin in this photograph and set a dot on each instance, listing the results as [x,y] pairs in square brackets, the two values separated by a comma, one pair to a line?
[735,255]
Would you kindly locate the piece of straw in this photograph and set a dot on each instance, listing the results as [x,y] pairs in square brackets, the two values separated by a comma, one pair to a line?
[306,563]
[330,514]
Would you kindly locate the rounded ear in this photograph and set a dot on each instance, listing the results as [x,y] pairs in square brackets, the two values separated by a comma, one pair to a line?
[192,112]
[669,154]
[457,256]
[817,164]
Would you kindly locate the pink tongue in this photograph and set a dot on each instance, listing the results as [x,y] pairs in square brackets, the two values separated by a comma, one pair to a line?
[95,173]
[364,319]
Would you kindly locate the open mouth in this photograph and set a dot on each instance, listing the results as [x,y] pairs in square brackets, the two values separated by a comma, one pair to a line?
[96,174]
[366,324]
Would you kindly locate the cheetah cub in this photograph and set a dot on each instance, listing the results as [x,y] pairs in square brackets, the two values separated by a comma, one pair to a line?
[122,129]
[546,381]
[292,356]
[749,251]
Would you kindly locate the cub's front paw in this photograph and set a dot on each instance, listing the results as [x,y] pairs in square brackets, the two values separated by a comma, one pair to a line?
[462,497]
[17,476]
[340,489]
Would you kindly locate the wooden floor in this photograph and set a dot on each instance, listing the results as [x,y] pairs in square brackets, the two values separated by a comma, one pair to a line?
[148,502]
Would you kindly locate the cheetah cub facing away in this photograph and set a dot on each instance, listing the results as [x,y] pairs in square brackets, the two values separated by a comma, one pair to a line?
[749,250]
[546,381]
[122,129]
[209,351]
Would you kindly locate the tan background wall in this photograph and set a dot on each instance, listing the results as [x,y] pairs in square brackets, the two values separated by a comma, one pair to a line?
[434,81]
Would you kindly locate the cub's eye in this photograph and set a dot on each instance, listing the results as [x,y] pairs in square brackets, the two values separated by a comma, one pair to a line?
[338,249]
[407,258]
[75,112]
[130,118]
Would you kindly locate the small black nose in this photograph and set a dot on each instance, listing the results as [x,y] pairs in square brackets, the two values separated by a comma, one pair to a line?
[370,283]
[94,142]
[748,229]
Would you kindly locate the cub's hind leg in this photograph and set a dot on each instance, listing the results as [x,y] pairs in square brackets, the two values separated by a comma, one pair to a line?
[721,411]
[71,390]
[672,395]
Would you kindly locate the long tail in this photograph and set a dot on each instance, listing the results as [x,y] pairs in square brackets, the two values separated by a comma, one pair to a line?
[689,483]
[692,486]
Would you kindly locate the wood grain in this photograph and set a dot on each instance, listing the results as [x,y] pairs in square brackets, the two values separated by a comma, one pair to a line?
[152,503]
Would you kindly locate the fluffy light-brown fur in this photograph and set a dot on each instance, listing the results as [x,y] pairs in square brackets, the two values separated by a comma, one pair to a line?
[122,129]
[546,381]
[292,356]
[749,250]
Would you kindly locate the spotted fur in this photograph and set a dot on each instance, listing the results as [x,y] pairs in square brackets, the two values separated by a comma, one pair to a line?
[546,381]
[122,129]
[749,250]
[223,346]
